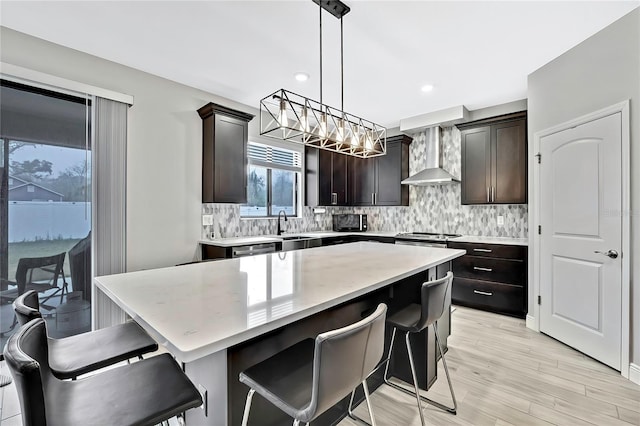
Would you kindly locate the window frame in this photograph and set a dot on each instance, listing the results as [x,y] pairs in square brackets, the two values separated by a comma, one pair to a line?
[270,166]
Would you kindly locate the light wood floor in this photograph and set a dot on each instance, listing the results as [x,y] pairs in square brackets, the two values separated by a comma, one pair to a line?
[504,374]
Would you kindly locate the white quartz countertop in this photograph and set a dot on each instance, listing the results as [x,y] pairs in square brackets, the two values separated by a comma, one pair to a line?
[492,240]
[198,309]
[243,241]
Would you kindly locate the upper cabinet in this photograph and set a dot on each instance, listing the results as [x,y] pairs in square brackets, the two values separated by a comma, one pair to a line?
[334,179]
[225,133]
[376,181]
[494,160]
[326,178]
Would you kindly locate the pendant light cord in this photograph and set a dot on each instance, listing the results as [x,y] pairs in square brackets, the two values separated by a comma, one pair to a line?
[320,8]
[341,67]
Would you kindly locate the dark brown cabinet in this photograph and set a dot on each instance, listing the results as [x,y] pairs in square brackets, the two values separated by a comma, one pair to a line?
[376,181]
[494,160]
[491,277]
[334,179]
[224,154]
[326,178]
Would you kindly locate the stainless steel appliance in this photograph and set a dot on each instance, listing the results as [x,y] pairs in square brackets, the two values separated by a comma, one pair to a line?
[253,249]
[426,239]
[350,222]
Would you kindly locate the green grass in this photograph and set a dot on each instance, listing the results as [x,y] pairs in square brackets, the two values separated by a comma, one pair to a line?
[38,249]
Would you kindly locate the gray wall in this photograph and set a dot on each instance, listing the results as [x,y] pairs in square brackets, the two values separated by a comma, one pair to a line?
[601,71]
[164,146]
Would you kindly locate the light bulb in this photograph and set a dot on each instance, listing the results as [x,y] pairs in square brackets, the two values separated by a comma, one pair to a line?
[368,142]
[340,131]
[355,142]
[282,116]
[304,121]
[323,125]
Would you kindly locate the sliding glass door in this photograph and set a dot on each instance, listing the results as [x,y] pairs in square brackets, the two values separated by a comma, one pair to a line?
[45,212]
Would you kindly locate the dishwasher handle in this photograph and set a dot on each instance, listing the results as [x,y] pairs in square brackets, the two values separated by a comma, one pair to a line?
[253,250]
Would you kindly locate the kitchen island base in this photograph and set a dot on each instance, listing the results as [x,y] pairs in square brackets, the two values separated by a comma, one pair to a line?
[396,296]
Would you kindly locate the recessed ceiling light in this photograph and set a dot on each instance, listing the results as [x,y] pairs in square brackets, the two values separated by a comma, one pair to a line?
[427,88]
[301,76]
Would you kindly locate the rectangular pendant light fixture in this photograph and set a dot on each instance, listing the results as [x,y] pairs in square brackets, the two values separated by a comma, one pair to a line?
[288,116]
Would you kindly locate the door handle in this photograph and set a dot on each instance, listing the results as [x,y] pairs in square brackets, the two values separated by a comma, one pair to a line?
[611,253]
[334,198]
[373,198]
[493,194]
[488,194]
[484,293]
[481,250]
[478,268]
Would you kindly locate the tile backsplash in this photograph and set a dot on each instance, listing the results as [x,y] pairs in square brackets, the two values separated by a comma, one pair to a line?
[434,208]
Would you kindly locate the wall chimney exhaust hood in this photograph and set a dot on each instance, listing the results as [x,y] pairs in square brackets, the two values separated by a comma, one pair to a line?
[434,173]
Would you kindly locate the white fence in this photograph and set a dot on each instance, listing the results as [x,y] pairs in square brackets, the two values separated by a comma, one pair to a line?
[40,220]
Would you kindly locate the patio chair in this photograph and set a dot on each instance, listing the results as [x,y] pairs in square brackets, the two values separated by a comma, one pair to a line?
[40,274]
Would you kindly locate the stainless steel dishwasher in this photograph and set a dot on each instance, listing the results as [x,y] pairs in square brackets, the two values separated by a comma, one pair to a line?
[253,249]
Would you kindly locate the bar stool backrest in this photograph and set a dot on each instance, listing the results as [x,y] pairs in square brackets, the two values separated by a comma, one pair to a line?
[343,358]
[433,299]
[27,307]
[26,355]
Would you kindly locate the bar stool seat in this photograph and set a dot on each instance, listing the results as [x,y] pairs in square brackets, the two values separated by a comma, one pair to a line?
[413,319]
[143,393]
[285,379]
[313,375]
[407,319]
[73,356]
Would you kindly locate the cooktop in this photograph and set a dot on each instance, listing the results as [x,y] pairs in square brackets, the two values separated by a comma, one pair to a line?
[427,236]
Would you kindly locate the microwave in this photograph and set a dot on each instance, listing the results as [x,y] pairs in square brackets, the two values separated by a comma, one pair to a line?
[349,222]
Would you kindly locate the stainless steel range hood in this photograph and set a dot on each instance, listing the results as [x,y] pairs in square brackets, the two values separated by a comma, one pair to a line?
[434,173]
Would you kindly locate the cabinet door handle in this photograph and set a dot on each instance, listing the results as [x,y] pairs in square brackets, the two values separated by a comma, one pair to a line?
[484,293]
[493,194]
[488,194]
[373,198]
[334,198]
[478,268]
[483,250]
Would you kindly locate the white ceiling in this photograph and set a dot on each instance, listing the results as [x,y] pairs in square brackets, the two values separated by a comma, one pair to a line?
[475,53]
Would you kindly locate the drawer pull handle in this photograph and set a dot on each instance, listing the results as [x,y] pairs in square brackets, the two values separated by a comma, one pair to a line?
[477,268]
[483,250]
[484,293]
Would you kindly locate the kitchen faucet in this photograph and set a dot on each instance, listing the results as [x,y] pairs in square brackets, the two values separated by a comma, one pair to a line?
[285,219]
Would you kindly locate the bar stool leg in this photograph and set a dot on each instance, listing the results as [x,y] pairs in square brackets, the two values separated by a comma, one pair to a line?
[446,371]
[247,407]
[386,368]
[415,378]
[367,398]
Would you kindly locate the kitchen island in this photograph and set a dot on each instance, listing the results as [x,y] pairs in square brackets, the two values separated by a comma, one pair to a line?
[220,317]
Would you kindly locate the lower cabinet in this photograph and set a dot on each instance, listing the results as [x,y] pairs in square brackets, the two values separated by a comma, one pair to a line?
[492,277]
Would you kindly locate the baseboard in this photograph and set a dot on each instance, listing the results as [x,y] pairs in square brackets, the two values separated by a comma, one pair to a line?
[530,322]
[634,373]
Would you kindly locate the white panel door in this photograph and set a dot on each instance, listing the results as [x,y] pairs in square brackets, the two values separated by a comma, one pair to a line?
[581,219]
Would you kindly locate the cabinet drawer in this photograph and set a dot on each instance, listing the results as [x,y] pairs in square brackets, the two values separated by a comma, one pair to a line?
[491,250]
[487,295]
[490,269]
